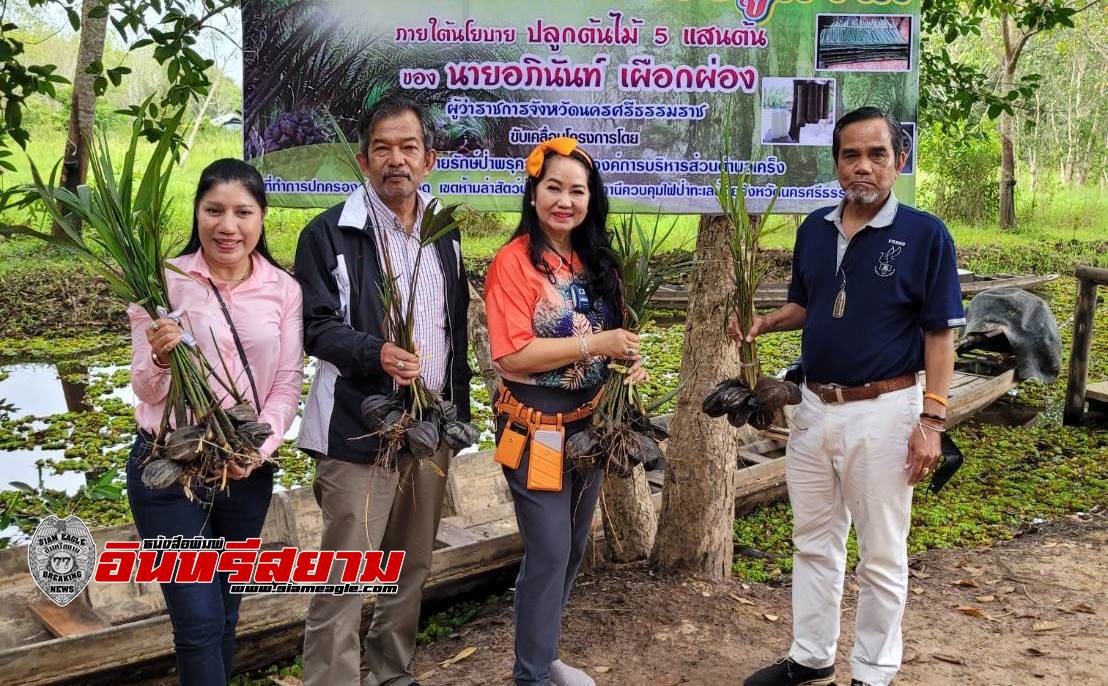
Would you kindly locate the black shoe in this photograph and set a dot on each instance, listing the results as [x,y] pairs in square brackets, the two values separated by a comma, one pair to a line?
[858,682]
[785,672]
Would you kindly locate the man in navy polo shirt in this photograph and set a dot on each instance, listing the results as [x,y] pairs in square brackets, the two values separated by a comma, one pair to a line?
[875,290]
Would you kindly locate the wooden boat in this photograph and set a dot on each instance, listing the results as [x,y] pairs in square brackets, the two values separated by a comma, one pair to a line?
[773,293]
[116,633]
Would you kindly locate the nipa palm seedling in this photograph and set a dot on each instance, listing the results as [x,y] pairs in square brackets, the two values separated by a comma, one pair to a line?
[119,229]
[414,417]
[621,435]
[750,398]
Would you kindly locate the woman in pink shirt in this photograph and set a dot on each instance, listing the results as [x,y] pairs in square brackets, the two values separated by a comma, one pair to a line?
[230,286]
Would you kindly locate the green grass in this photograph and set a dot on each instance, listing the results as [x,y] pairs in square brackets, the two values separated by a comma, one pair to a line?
[1012,475]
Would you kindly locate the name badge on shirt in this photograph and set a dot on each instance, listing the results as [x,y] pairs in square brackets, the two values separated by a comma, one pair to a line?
[581,301]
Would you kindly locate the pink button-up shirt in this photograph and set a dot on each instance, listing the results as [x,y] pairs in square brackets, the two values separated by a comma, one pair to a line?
[266,309]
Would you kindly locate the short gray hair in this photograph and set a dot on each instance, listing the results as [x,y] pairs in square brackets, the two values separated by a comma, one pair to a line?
[394,106]
[900,138]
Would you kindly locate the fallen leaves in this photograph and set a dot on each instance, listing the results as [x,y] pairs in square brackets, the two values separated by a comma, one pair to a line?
[1036,652]
[602,670]
[1084,607]
[952,659]
[283,680]
[771,618]
[985,598]
[741,600]
[971,611]
[966,582]
[1045,626]
[462,654]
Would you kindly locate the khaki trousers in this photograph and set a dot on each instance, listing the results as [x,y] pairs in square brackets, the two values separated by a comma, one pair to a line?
[371,508]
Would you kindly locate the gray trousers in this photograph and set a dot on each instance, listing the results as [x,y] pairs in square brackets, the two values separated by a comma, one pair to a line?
[555,530]
[370,508]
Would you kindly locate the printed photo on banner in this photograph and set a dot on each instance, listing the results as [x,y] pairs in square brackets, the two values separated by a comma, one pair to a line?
[797,111]
[910,136]
[863,42]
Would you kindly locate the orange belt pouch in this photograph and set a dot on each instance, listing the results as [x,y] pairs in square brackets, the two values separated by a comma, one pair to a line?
[544,473]
[509,451]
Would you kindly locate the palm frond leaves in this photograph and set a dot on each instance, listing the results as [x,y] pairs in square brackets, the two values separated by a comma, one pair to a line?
[746,235]
[122,237]
[644,267]
[426,419]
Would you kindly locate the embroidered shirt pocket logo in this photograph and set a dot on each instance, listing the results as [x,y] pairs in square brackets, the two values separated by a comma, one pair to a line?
[884,266]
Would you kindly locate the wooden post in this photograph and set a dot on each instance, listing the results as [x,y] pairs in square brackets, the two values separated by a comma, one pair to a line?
[1087,280]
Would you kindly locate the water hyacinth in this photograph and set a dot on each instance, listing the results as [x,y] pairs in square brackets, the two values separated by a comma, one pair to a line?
[750,398]
[118,227]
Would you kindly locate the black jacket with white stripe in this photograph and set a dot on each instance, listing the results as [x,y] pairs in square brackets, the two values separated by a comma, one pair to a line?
[339,271]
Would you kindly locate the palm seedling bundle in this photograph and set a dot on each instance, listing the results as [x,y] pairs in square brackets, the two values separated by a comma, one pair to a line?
[749,398]
[621,435]
[415,417]
[124,241]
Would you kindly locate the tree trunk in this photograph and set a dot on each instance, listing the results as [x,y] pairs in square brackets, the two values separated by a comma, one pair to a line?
[200,119]
[698,502]
[479,339]
[1007,172]
[630,521]
[82,107]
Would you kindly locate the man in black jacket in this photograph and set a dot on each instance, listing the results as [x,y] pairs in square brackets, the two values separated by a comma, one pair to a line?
[339,263]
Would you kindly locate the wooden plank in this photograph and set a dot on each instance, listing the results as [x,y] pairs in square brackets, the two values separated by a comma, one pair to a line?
[474,481]
[1097,392]
[1074,408]
[760,485]
[971,288]
[116,650]
[72,620]
[450,534]
[774,293]
[751,456]
[980,391]
[1090,273]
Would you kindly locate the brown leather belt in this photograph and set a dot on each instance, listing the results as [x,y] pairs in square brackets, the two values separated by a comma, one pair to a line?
[834,393]
[519,413]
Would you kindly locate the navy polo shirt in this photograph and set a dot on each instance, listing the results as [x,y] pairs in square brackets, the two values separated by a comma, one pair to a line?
[901,280]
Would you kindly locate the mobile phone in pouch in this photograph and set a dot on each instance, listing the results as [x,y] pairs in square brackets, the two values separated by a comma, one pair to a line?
[544,471]
[509,451]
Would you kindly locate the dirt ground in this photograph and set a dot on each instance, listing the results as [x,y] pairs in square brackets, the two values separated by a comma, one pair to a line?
[1033,610]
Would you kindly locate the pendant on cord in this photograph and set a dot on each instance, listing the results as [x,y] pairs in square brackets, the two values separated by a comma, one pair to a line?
[839,308]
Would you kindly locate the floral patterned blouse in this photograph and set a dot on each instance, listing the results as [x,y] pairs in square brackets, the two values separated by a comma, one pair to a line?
[524,304]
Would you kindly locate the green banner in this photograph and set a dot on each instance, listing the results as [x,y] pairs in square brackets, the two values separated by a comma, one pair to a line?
[652,90]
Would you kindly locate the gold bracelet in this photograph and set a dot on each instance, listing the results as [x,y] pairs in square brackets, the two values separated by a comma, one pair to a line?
[936,397]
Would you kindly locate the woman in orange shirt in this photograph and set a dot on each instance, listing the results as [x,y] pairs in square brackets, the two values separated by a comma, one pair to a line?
[552,295]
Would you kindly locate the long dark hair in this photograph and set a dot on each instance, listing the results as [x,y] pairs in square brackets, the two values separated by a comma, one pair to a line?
[589,240]
[229,170]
